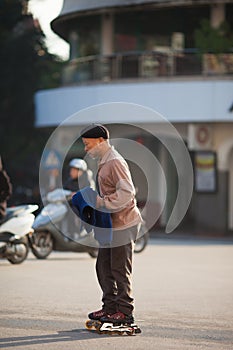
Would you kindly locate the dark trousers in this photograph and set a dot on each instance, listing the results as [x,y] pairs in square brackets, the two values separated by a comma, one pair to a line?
[114,273]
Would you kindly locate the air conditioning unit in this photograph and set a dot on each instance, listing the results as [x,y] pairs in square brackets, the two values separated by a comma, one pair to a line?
[199,137]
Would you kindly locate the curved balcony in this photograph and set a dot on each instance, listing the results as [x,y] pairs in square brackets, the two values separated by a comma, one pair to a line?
[146,65]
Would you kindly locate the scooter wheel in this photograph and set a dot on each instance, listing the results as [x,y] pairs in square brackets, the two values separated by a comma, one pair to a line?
[20,253]
[93,253]
[42,244]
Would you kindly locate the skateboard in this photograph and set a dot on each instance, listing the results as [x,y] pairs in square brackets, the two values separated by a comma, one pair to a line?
[112,328]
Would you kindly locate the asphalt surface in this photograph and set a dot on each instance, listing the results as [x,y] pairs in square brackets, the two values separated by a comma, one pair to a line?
[183,293]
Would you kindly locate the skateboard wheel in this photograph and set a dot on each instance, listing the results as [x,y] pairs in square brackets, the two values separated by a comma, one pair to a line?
[89,324]
[137,330]
[129,332]
[97,325]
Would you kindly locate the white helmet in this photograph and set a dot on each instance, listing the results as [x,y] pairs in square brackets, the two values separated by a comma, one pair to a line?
[78,164]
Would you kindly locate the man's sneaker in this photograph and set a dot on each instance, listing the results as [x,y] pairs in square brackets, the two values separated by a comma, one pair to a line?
[118,317]
[97,315]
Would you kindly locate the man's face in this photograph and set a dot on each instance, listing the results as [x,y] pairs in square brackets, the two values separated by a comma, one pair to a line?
[91,146]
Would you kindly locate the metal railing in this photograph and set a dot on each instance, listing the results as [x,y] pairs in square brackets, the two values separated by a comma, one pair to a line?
[148,65]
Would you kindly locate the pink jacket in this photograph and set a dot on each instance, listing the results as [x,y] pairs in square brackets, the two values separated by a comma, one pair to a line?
[117,190]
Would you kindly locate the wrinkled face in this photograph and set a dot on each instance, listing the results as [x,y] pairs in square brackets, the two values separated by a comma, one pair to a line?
[91,146]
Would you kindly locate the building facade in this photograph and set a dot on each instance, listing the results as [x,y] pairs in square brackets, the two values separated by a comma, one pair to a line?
[154,54]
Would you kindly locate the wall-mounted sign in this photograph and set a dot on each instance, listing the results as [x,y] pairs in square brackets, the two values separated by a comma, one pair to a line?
[205,173]
[51,160]
[199,137]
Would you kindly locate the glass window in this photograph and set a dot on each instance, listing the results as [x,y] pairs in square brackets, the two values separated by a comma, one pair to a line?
[88,35]
[153,28]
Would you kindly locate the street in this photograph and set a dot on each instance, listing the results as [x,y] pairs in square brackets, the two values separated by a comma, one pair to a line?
[183,293]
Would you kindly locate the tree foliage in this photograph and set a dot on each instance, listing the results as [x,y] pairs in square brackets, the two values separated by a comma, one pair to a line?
[215,40]
[25,67]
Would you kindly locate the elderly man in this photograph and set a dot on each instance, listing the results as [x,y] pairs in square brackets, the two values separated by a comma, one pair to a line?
[117,196]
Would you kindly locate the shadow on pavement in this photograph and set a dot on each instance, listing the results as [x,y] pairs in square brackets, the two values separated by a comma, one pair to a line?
[60,336]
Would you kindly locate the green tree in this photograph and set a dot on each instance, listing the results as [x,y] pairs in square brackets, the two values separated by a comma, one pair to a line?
[215,40]
[25,67]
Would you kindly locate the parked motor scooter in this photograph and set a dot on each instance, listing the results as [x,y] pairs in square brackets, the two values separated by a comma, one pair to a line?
[57,228]
[15,231]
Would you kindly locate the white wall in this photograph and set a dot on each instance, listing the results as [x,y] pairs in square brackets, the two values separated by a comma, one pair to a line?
[178,101]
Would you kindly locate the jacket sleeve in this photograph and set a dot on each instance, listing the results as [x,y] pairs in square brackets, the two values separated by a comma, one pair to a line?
[124,189]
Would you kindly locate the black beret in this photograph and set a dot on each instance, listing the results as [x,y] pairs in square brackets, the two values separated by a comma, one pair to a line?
[94,131]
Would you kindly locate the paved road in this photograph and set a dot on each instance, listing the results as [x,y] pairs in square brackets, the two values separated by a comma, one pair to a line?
[183,300]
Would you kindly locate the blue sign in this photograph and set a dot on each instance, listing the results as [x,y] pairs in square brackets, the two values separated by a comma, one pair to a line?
[51,160]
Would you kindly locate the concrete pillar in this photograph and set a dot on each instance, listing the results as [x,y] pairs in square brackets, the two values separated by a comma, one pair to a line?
[217,15]
[107,45]
[74,49]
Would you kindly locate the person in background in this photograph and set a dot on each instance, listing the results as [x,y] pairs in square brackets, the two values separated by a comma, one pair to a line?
[80,176]
[5,191]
